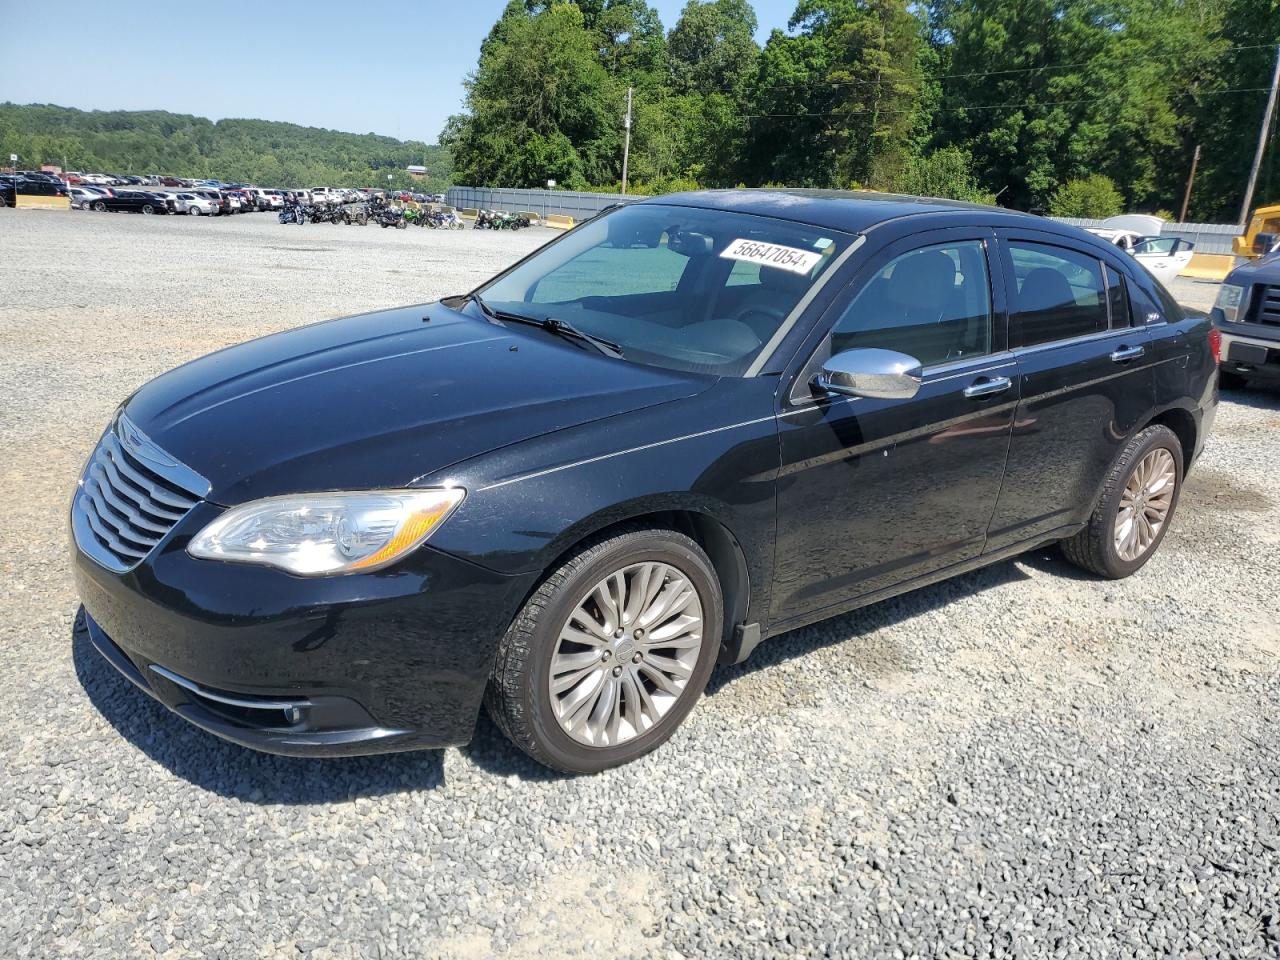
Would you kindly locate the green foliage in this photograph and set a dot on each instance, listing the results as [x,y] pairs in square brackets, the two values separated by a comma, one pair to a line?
[1094,196]
[541,104]
[944,173]
[253,151]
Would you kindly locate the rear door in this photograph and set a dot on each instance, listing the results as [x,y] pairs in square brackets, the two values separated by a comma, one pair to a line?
[1086,380]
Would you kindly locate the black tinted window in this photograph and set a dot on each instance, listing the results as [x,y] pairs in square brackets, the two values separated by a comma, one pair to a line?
[1059,294]
[933,304]
[1117,298]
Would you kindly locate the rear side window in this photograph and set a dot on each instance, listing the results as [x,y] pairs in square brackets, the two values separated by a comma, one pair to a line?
[933,304]
[1060,294]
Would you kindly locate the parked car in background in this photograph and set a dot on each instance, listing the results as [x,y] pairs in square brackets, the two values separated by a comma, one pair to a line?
[706,419]
[326,195]
[14,185]
[83,198]
[1248,313]
[215,197]
[1165,257]
[131,201]
[194,204]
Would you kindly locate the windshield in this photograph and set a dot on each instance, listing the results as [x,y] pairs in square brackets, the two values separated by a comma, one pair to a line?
[679,287]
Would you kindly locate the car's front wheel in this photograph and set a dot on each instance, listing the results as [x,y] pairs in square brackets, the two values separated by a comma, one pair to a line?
[1137,504]
[610,653]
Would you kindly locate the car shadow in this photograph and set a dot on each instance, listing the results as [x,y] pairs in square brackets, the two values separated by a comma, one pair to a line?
[233,771]
[853,628]
[1260,396]
[490,750]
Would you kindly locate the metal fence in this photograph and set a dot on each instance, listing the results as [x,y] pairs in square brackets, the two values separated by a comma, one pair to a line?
[1208,237]
[542,202]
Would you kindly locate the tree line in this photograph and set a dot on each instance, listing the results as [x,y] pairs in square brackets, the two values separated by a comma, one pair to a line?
[261,152]
[1075,107]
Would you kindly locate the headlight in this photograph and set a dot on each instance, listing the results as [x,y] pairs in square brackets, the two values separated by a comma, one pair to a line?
[317,534]
[1229,299]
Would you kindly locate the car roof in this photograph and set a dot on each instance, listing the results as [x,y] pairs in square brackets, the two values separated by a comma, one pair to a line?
[852,211]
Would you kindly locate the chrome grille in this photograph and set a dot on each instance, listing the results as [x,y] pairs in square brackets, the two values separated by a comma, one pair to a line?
[130,497]
[1268,308]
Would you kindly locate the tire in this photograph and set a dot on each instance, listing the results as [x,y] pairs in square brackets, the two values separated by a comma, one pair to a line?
[1096,547]
[519,696]
[1231,381]
[3,203]
[193,211]
[148,209]
[100,207]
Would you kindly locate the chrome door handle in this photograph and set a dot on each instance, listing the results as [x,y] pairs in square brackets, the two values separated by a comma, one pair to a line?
[1128,353]
[987,386]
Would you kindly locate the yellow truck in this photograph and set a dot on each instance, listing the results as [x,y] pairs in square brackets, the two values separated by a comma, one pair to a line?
[1261,235]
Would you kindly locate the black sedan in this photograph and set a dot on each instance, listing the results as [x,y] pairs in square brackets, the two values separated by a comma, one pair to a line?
[133,201]
[688,425]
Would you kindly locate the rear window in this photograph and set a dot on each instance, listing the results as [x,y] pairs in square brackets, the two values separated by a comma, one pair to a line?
[1060,294]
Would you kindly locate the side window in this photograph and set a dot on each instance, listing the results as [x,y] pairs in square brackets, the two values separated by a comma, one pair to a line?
[1157,246]
[1060,294]
[933,304]
[1117,298]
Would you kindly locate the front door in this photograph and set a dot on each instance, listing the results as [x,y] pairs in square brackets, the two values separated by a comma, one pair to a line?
[875,492]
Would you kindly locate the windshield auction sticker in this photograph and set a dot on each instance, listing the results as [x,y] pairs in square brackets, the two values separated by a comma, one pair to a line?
[772,255]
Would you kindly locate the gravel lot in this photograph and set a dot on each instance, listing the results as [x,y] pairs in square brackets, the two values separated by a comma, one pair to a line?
[1024,761]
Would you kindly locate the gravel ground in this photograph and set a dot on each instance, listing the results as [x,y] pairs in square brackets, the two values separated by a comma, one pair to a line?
[1024,761]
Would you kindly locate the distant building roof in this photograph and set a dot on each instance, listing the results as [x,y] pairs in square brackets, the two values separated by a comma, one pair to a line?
[413,168]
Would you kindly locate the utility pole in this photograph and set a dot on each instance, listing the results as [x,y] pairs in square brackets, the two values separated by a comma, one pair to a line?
[626,142]
[1186,197]
[1262,141]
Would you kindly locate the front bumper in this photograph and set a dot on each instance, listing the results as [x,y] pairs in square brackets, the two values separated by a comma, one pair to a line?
[1251,350]
[393,660]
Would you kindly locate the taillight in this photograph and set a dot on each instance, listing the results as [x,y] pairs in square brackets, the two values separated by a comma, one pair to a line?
[1215,344]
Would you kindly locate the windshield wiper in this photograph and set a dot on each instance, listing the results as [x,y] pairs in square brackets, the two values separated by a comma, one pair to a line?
[565,329]
[561,328]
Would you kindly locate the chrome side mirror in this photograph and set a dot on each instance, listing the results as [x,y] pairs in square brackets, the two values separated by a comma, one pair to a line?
[871,372]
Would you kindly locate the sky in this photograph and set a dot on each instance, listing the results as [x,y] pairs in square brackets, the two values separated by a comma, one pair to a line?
[320,63]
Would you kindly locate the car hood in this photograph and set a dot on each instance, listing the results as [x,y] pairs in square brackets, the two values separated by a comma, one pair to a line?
[378,400]
[1263,270]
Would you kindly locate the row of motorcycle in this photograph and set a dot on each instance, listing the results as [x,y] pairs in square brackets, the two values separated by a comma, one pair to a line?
[498,220]
[371,211]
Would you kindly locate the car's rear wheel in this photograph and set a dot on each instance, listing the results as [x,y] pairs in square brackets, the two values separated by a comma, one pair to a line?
[193,211]
[148,209]
[1133,514]
[610,653]
[100,207]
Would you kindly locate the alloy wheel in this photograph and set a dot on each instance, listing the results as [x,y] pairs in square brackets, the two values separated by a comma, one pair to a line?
[625,654]
[1145,504]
